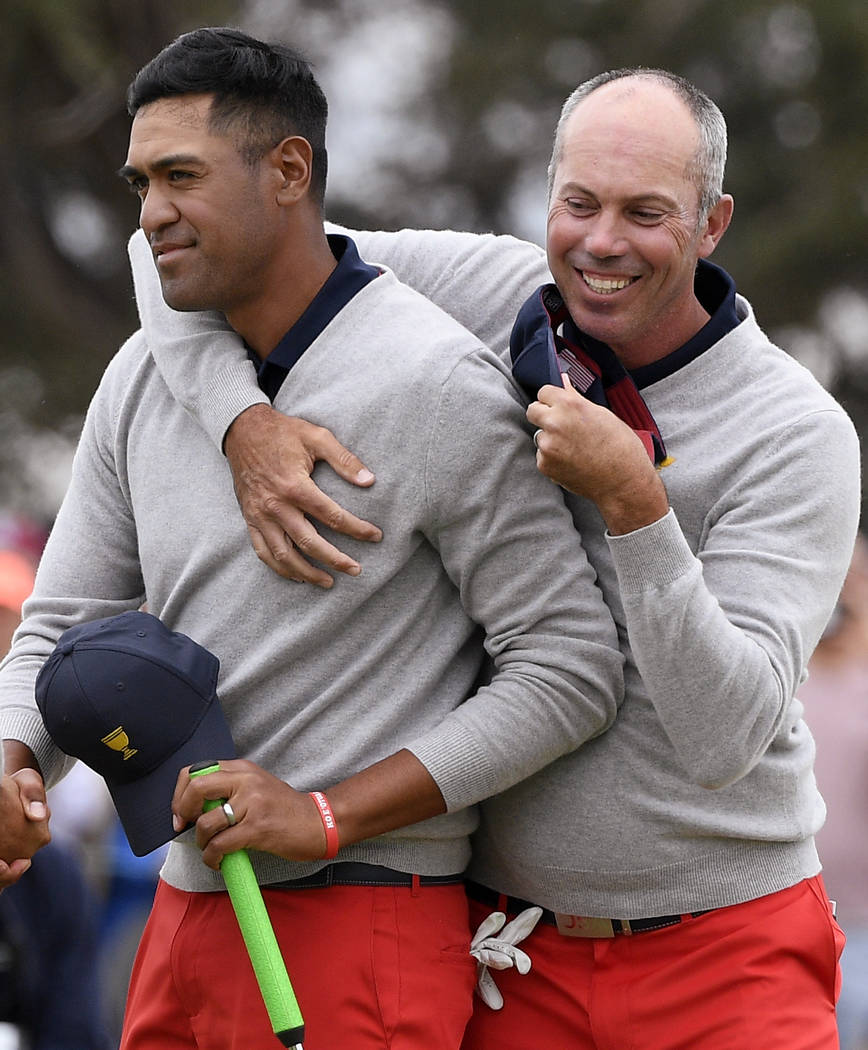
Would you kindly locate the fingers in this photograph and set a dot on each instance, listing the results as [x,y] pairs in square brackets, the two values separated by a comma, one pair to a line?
[487,990]
[270,815]
[31,790]
[488,927]
[11,873]
[23,820]
[272,457]
[287,542]
[312,501]
[275,549]
[521,925]
[196,801]
[342,461]
[501,955]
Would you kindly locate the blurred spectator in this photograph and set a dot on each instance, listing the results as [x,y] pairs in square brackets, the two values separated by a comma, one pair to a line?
[16,583]
[50,997]
[49,987]
[836,702]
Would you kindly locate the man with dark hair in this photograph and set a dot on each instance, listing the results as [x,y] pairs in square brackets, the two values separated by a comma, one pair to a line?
[259,92]
[368,728]
[675,853]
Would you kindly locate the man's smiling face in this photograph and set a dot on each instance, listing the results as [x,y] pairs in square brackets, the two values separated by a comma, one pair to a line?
[624,234]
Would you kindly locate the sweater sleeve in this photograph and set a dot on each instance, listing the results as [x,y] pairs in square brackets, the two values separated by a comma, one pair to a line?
[201,359]
[722,638]
[481,279]
[89,569]
[509,545]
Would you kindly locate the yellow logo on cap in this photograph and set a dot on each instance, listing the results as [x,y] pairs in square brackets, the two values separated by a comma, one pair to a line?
[118,740]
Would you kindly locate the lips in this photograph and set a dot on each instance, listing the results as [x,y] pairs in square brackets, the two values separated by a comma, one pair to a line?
[165,249]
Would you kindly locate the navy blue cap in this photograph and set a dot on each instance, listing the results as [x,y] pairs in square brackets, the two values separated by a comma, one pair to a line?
[136,702]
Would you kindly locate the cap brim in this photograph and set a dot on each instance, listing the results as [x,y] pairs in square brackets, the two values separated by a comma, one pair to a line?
[145,805]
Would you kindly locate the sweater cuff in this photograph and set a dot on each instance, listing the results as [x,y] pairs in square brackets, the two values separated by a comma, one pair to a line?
[459,767]
[651,557]
[28,728]
[227,396]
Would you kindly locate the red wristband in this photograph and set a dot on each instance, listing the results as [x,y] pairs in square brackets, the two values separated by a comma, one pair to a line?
[328,822]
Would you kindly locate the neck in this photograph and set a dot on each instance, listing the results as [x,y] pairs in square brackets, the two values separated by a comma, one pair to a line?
[288,288]
[658,341]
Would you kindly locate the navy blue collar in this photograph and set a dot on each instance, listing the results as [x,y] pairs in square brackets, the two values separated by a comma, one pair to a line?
[545,343]
[715,289]
[349,277]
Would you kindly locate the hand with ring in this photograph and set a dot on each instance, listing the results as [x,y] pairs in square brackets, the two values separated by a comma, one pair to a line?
[256,811]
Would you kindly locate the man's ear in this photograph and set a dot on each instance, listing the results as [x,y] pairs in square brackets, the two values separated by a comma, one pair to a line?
[293,165]
[716,225]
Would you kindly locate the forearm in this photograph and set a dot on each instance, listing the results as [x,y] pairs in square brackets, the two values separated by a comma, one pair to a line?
[509,545]
[479,279]
[390,794]
[722,640]
[201,359]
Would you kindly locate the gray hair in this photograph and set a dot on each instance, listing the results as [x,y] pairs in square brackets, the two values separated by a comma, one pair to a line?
[706,168]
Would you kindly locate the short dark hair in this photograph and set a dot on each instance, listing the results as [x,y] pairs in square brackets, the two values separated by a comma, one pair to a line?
[262,93]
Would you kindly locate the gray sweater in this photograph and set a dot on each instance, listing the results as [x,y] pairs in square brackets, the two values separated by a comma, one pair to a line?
[479,555]
[702,793]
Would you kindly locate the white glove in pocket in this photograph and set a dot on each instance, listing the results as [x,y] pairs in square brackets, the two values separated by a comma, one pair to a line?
[500,952]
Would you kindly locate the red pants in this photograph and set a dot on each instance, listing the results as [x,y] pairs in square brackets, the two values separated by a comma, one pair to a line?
[372,967]
[757,976]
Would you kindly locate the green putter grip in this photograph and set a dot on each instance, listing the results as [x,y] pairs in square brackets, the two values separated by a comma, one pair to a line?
[258,933]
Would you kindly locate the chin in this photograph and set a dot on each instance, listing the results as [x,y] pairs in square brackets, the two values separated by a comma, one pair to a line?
[179,299]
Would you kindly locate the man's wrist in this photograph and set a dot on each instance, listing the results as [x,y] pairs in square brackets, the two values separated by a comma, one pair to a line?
[636,508]
[329,824]
[17,755]
[253,415]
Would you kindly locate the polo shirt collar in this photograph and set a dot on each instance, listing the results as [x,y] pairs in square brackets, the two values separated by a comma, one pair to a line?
[347,279]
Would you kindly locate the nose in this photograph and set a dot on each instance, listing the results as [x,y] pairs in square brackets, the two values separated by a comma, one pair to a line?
[604,235]
[157,210]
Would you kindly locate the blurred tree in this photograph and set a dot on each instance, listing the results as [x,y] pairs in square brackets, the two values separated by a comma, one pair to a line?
[66,298]
[442,115]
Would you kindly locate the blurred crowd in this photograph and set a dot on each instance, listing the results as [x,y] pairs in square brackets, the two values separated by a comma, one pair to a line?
[836,702]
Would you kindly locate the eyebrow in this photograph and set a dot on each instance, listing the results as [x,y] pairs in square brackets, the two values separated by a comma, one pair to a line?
[173,160]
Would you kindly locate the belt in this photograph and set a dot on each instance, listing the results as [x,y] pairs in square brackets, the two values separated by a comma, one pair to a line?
[354,873]
[575,925]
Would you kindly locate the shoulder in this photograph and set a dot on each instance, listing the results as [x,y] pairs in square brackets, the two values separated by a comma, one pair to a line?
[746,372]
[410,328]
[787,387]
[129,381]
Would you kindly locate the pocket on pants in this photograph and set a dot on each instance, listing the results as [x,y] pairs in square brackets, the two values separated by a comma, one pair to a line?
[837,935]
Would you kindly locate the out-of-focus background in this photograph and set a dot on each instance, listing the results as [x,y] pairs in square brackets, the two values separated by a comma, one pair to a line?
[441,115]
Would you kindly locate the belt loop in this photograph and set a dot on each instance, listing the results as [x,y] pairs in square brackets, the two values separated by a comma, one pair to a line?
[503,903]
[415,886]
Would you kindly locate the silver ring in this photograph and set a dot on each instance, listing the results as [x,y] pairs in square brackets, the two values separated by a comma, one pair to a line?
[230,814]
[536,435]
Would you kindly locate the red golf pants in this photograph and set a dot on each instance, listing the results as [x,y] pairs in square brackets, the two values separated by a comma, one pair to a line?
[372,967]
[757,976]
